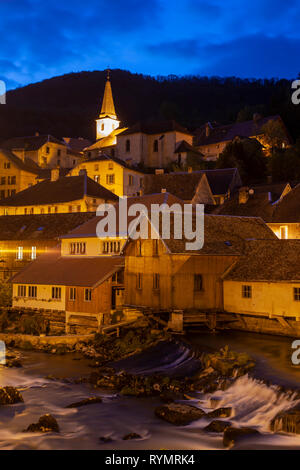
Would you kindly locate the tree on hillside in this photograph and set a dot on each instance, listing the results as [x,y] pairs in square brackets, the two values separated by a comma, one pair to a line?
[274,134]
[284,165]
[246,155]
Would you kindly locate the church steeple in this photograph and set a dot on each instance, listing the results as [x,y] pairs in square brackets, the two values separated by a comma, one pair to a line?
[108,120]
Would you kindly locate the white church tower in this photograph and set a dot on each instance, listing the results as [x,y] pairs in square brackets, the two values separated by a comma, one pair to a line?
[108,120]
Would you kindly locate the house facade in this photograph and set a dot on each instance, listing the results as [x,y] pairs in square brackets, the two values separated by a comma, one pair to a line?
[16,174]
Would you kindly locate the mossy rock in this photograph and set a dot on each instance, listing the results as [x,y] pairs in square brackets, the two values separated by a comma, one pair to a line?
[10,396]
[46,423]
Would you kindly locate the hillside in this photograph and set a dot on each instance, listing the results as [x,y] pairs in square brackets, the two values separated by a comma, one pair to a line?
[68,105]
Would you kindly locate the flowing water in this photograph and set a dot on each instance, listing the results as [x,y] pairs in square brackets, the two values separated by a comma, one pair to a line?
[254,403]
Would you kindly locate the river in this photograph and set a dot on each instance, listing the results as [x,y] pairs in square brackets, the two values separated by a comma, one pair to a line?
[254,403]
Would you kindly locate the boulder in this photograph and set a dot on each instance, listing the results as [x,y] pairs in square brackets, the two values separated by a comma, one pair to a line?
[287,421]
[10,396]
[217,426]
[46,423]
[220,413]
[87,401]
[131,437]
[105,440]
[234,435]
[178,414]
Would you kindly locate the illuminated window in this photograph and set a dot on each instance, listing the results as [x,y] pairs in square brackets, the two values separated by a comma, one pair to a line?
[33,252]
[22,291]
[297,294]
[20,253]
[110,166]
[130,180]
[6,165]
[102,127]
[247,292]
[97,178]
[284,232]
[3,180]
[110,179]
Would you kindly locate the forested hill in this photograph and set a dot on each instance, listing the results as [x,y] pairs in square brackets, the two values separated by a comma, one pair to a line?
[68,105]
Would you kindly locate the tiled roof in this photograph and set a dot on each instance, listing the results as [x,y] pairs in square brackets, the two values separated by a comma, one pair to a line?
[41,226]
[65,189]
[184,146]
[271,260]
[228,132]
[105,142]
[30,142]
[103,157]
[258,205]
[26,165]
[77,144]
[52,269]
[156,127]
[288,210]
[183,184]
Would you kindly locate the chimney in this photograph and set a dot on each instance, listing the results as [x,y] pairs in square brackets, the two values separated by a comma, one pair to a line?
[163,190]
[190,169]
[243,195]
[54,174]
[207,129]
[83,172]
[159,171]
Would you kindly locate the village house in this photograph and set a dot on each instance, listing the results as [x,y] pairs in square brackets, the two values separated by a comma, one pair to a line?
[212,138]
[163,276]
[277,204]
[113,174]
[58,195]
[204,186]
[263,287]
[16,174]
[45,151]
[25,238]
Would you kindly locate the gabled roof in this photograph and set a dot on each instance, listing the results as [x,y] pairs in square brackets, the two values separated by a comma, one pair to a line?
[52,269]
[288,210]
[41,226]
[89,229]
[65,189]
[183,184]
[30,143]
[258,205]
[223,133]
[106,142]
[27,165]
[271,260]
[157,127]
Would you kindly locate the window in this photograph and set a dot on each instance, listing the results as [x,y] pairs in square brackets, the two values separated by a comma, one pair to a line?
[139,281]
[198,282]
[96,167]
[247,292]
[31,210]
[284,232]
[58,162]
[20,253]
[102,127]
[32,292]
[33,252]
[97,178]
[22,291]
[110,179]
[13,192]
[11,180]
[58,152]
[78,248]
[130,180]
[3,180]
[56,293]
[155,247]
[47,150]
[156,281]
[155,146]
[70,209]
[56,209]
[110,166]
[88,295]
[111,247]
[127,145]
[6,165]
[2,193]
[297,294]
[42,210]
[72,294]
[49,209]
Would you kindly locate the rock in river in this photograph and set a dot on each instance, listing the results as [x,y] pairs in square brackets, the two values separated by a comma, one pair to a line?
[178,414]
[217,426]
[220,413]
[87,401]
[234,435]
[46,423]
[10,396]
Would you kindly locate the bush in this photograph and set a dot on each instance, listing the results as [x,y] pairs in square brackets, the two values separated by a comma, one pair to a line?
[5,294]
[33,325]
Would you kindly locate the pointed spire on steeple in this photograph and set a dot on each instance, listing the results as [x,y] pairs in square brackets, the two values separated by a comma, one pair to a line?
[108,107]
